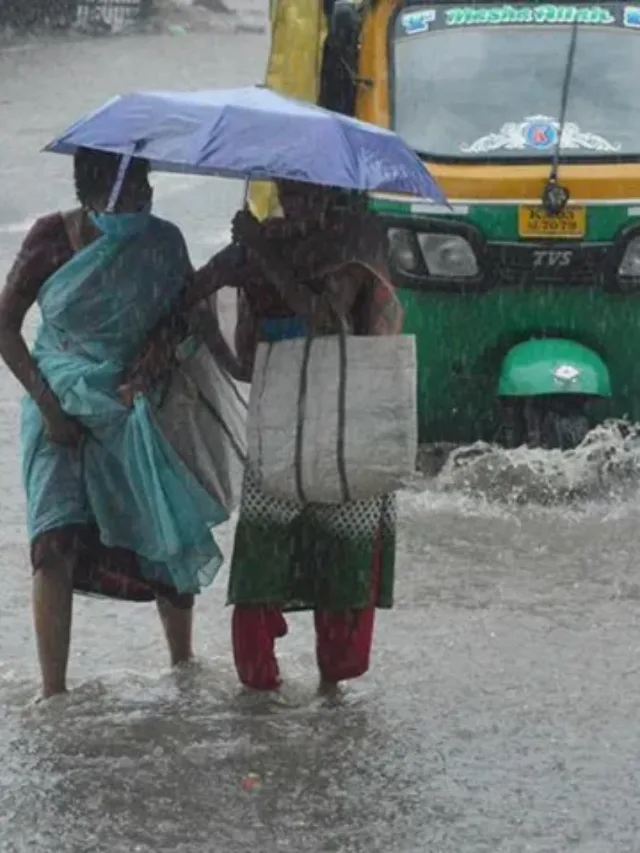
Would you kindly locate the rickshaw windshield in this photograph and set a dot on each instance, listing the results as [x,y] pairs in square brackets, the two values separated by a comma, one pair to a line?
[484,81]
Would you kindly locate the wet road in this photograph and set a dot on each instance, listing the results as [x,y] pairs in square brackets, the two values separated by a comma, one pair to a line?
[501,712]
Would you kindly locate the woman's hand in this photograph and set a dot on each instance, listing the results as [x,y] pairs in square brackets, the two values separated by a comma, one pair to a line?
[63,429]
[128,391]
[246,230]
[138,379]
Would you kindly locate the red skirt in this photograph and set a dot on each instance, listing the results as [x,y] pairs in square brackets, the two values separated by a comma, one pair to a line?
[343,639]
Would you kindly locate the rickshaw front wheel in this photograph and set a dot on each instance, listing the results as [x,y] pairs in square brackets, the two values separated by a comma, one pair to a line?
[552,422]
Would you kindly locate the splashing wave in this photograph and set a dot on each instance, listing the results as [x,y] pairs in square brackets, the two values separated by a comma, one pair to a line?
[605,466]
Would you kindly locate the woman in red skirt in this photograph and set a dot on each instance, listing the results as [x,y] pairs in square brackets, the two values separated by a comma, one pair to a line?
[292,274]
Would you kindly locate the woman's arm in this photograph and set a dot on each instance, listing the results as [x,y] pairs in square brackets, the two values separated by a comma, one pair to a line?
[42,253]
[157,356]
[191,314]
[227,268]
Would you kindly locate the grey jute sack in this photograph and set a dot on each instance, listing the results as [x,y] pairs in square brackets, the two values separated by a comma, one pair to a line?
[333,419]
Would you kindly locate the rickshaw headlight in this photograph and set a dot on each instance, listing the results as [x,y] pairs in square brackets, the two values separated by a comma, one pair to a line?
[404,252]
[630,263]
[448,256]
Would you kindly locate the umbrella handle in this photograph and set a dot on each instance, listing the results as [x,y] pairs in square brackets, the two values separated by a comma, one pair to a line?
[125,160]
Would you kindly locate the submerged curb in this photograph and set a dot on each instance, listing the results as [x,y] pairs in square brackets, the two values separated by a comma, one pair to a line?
[178,17]
[166,18]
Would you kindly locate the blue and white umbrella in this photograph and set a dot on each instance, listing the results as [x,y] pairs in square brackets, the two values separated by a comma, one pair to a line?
[251,133]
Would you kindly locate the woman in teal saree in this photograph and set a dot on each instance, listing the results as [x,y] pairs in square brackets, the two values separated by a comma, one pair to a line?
[111,508]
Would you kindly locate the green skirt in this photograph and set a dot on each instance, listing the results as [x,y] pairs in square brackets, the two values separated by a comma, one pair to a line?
[314,557]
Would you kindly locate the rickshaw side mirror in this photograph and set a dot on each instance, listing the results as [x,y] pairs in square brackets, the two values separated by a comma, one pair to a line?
[344,25]
[340,57]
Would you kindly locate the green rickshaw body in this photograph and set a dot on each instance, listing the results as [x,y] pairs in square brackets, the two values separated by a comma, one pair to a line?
[513,293]
[467,341]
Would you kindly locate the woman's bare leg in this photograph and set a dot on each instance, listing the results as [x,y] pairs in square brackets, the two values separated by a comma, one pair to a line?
[177,620]
[52,597]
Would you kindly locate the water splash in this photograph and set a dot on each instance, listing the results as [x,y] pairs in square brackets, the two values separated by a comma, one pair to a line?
[605,466]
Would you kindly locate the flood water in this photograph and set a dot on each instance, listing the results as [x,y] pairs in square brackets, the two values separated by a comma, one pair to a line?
[501,711]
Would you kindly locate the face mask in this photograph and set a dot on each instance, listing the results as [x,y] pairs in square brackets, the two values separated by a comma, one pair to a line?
[121,224]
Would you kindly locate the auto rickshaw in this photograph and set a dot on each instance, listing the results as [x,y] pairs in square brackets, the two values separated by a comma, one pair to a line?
[524,294]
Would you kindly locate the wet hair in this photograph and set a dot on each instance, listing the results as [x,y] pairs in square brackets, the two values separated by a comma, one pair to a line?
[96,172]
[353,201]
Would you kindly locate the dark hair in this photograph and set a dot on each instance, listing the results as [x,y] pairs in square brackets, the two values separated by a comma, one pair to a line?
[96,172]
[354,201]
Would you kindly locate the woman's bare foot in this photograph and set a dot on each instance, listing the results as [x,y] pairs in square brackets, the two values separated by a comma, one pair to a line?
[41,699]
[328,688]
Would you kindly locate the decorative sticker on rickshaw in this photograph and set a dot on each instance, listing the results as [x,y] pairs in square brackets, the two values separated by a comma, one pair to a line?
[631,17]
[418,22]
[566,373]
[548,13]
[539,133]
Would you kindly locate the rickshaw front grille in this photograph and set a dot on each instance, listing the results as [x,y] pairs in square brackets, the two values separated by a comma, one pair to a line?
[530,264]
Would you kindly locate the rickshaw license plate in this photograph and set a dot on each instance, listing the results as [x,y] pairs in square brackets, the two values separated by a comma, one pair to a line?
[536,222]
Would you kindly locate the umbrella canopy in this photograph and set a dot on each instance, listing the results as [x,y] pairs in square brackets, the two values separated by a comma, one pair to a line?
[251,133]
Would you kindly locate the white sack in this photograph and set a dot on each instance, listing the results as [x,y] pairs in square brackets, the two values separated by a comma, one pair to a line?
[381,435]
